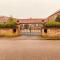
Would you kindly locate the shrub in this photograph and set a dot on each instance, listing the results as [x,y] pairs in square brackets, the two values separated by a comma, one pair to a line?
[52,24]
[57,18]
[10,23]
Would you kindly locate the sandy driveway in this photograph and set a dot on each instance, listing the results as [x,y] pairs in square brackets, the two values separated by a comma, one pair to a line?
[29,50]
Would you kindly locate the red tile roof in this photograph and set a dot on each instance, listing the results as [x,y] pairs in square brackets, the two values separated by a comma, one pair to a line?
[3,19]
[31,20]
[57,12]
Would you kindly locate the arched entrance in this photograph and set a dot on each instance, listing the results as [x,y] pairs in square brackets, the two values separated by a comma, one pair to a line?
[26,26]
[31,29]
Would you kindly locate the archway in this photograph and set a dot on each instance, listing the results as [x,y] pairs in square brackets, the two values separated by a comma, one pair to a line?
[31,29]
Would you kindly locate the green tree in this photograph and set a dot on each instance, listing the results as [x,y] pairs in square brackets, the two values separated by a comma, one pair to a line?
[11,23]
[2,25]
[52,24]
[11,20]
[57,18]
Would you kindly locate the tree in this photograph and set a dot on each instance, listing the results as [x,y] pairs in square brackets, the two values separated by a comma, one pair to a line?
[52,24]
[57,18]
[11,23]
[11,20]
[2,25]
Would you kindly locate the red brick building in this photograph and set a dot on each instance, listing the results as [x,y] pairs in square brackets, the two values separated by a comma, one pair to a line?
[31,21]
[53,16]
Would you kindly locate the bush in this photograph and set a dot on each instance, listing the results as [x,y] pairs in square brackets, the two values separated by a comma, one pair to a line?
[57,18]
[52,24]
[10,23]
[10,26]
[2,26]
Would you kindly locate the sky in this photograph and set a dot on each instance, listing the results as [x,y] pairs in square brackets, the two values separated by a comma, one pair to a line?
[28,8]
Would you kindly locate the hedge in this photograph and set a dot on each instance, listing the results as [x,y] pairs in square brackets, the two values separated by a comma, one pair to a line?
[52,24]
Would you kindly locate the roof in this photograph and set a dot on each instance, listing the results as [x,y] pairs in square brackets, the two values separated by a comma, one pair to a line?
[3,18]
[54,13]
[21,21]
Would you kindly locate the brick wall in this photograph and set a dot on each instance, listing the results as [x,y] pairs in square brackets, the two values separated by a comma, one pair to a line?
[51,32]
[9,32]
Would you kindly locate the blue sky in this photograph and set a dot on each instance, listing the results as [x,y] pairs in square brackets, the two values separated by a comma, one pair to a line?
[28,8]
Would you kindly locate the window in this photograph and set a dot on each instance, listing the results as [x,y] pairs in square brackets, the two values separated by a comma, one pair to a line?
[42,20]
[45,30]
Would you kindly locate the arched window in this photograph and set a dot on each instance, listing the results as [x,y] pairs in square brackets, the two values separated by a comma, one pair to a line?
[14,30]
[45,30]
[42,20]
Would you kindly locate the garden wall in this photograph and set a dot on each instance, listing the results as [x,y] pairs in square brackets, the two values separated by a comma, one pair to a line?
[9,32]
[52,32]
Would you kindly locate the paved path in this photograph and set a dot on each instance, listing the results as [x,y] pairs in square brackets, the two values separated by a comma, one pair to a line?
[32,32]
[24,37]
[29,49]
